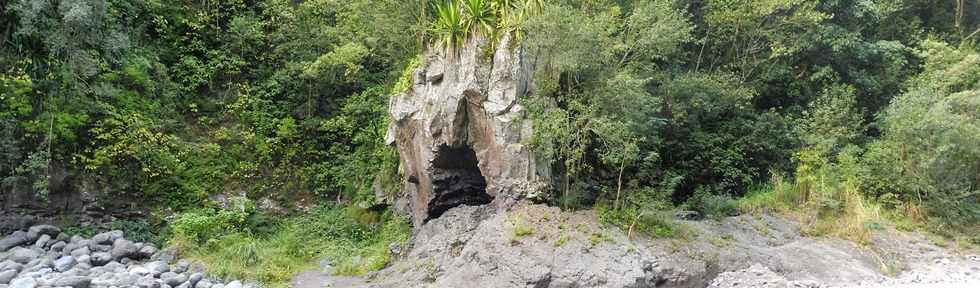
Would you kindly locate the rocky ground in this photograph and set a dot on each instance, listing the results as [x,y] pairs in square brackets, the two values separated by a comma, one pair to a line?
[532,246]
[540,246]
[43,256]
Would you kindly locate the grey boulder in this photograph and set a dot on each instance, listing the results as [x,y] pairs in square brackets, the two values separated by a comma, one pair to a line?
[122,248]
[23,283]
[22,255]
[100,258]
[7,275]
[64,263]
[15,239]
[73,281]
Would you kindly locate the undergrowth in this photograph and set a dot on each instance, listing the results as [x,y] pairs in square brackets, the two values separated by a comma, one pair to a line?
[824,197]
[355,241]
[637,220]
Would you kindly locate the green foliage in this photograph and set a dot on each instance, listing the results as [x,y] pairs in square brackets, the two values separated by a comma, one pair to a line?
[824,196]
[929,152]
[641,105]
[449,28]
[293,244]
[86,231]
[712,205]
[640,220]
[455,21]
[138,231]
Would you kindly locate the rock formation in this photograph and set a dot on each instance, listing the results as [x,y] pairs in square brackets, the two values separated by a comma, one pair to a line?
[461,132]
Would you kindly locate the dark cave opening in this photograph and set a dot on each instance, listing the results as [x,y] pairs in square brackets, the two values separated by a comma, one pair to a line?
[456,180]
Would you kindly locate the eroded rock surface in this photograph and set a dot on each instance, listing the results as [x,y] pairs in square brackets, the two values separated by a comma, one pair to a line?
[461,132]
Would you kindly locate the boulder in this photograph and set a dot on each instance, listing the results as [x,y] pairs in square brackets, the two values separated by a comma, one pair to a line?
[72,281]
[16,239]
[23,283]
[147,282]
[49,230]
[6,276]
[122,248]
[173,279]
[157,267]
[146,251]
[64,263]
[79,252]
[106,238]
[100,258]
[22,255]
[42,241]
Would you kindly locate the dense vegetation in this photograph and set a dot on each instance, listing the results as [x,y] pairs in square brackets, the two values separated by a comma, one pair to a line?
[868,109]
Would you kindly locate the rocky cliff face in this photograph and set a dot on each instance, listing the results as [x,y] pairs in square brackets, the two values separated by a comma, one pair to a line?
[461,132]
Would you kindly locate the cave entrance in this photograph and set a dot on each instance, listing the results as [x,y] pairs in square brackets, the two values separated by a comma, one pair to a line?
[456,180]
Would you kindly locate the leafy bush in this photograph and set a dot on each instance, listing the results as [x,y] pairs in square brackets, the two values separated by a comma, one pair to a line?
[138,230]
[712,205]
[825,197]
[929,154]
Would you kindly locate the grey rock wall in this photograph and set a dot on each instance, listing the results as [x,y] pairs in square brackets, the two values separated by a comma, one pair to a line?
[460,121]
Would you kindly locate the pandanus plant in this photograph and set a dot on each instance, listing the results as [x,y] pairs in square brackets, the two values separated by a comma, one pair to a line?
[455,20]
[479,16]
[449,29]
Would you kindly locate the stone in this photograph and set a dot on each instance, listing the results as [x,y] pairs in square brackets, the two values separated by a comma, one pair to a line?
[195,278]
[84,260]
[123,248]
[157,267]
[58,246]
[79,252]
[461,132]
[22,255]
[102,238]
[42,241]
[7,275]
[64,263]
[139,270]
[11,265]
[234,284]
[100,248]
[63,237]
[73,281]
[15,239]
[49,230]
[100,258]
[23,283]
[147,282]
[181,266]
[167,255]
[204,283]
[173,279]
[146,251]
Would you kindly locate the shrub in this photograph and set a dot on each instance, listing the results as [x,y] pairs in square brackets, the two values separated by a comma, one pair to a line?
[712,205]
[138,230]
[355,241]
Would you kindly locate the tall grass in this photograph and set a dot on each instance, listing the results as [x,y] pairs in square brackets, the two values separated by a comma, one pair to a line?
[355,241]
[824,197]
